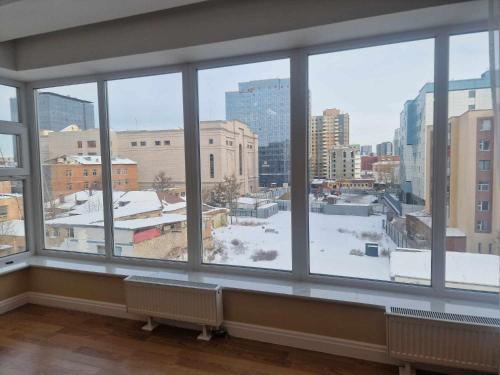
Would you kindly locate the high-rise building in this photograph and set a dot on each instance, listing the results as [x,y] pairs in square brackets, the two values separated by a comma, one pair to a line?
[416,130]
[384,149]
[366,150]
[396,147]
[344,163]
[474,188]
[56,112]
[264,105]
[325,132]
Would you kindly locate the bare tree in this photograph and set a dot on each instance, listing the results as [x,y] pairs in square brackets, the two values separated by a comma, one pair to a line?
[162,182]
[226,193]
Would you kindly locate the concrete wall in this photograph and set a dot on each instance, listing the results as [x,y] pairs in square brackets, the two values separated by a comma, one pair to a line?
[347,209]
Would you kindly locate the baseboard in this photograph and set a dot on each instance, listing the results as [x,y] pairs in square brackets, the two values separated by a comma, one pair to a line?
[13,302]
[308,341]
[79,304]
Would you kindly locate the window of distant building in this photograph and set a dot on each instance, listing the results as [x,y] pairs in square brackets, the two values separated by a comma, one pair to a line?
[483,186]
[166,143]
[484,145]
[240,159]
[482,226]
[210,141]
[69,187]
[484,165]
[4,211]
[79,144]
[485,124]
[68,173]
[212,166]
[143,143]
[94,172]
[85,185]
[157,143]
[483,205]
[472,93]
[91,144]
[133,144]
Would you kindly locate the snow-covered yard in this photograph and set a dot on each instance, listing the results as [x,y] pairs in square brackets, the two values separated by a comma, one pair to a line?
[266,243]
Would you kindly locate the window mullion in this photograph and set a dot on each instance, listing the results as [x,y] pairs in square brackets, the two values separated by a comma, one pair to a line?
[192,159]
[439,162]
[107,184]
[299,180]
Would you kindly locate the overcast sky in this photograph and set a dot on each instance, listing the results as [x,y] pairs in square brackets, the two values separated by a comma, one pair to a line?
[371,84]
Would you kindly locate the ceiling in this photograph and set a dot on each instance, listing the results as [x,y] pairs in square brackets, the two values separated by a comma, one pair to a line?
[42,16]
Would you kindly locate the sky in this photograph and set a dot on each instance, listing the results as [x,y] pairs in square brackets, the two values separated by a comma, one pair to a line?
[371,84]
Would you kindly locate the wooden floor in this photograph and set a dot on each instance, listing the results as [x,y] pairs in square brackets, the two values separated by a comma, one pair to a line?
[41,340]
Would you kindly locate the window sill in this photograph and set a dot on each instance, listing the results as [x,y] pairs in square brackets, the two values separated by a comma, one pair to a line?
[306,290]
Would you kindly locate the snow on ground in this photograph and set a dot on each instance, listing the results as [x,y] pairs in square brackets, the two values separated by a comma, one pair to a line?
[332,238]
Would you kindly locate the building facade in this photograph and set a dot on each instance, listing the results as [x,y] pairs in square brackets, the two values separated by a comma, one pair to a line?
[56,112]
[366,150]
[264,105]
[325,132]
[384,149]
[345,163]
[226,148]
[474,187]
[415,132]
[69,174]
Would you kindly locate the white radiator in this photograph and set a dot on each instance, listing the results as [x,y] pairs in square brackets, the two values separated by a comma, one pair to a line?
[443,339]
[182,301]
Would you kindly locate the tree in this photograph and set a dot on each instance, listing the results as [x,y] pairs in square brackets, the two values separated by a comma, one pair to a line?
[226,193]
[162,182]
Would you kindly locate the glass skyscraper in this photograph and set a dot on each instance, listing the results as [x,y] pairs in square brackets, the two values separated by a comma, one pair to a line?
[264,105]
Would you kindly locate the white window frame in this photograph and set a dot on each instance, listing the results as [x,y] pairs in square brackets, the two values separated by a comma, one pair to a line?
[23,171]
[299,179]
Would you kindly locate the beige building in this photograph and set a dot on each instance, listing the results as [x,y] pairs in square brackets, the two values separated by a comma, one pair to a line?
[226,148]
[325,132]
[386,172]
[344,163]
[474,188]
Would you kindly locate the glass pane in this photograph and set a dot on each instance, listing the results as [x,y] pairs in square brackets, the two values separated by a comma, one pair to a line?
[370,134]
[149,186]
[9,151]
[8,104]
[473,194]
[70,155]
[245,164]
[12,236]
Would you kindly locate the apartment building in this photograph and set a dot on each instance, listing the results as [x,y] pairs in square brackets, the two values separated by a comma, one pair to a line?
[325,132]
[474,187]
[73,173]
[384,149]
[416,122]
[344,163]
[366,150]
[226,147]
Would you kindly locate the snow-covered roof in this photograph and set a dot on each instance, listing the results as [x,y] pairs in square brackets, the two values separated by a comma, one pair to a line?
[149,222]
[91,160]
[169,207]
[461,268]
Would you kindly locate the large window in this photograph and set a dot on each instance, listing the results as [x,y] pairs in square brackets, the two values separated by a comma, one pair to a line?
[245,164]
[473,189]
[9,109]
[149,187]
[394,187]
[71,173]
[370,136]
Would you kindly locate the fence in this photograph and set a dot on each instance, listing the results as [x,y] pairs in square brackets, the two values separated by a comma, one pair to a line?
[399,237]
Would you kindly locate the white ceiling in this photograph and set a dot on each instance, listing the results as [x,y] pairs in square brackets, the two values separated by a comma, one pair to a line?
[21,18]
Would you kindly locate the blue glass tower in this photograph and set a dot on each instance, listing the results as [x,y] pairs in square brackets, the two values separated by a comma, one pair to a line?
[264,105]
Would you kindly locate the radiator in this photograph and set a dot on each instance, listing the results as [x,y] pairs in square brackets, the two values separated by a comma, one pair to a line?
[183,301]
[443,339]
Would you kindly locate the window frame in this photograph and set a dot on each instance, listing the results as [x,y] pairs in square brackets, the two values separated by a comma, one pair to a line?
[299,180]
[23,171]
